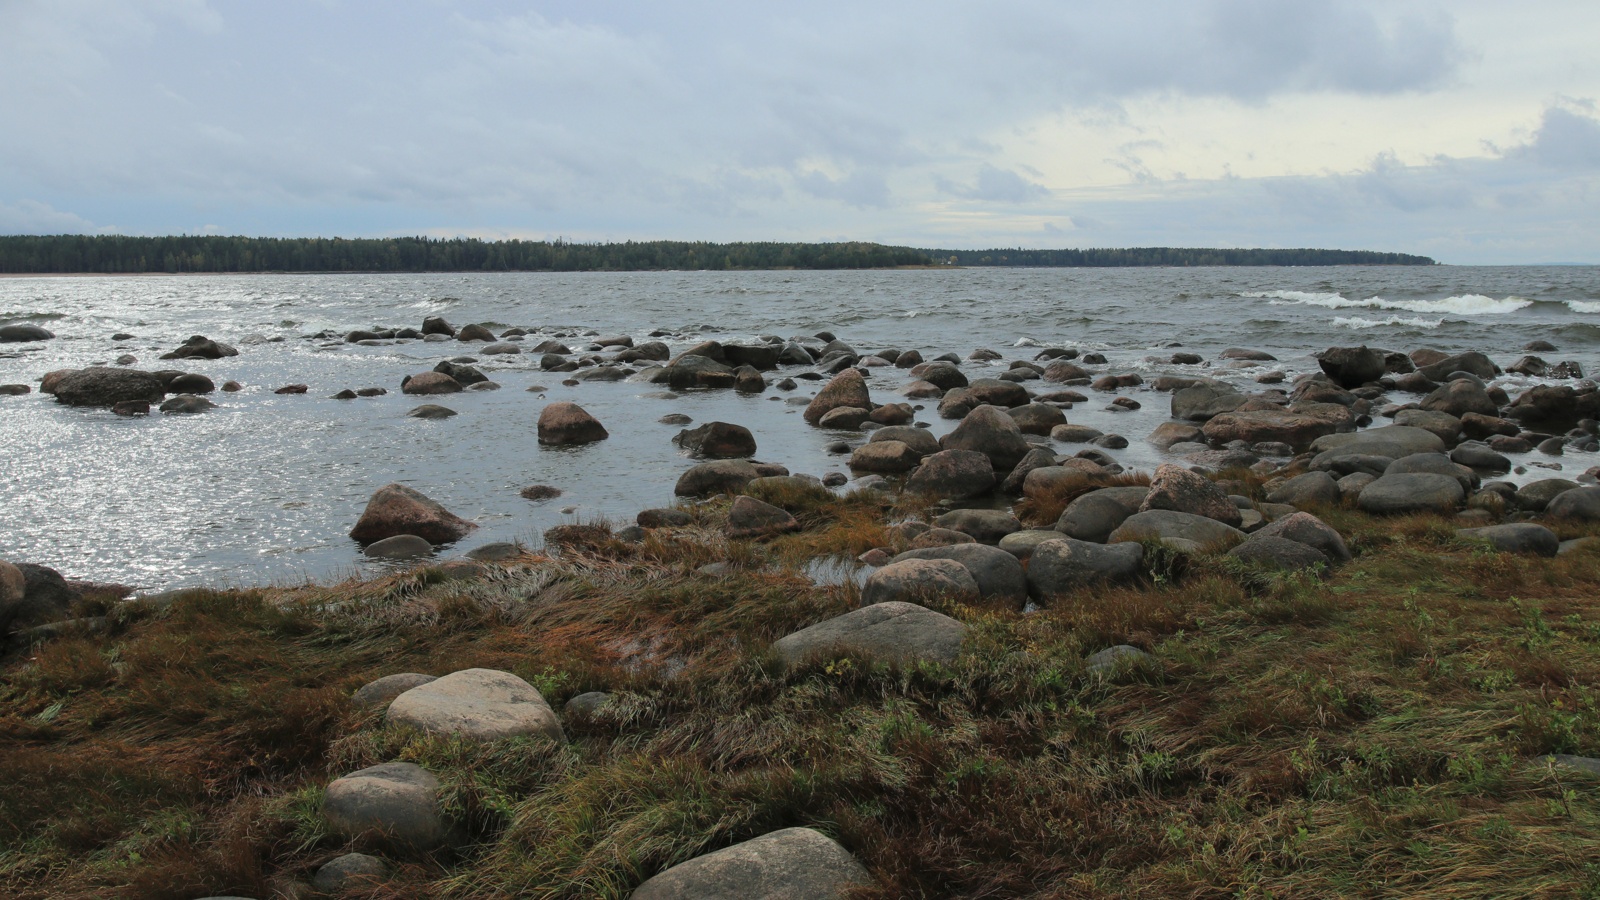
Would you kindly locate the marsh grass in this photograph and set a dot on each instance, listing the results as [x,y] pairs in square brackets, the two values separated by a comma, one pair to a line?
[1373,730]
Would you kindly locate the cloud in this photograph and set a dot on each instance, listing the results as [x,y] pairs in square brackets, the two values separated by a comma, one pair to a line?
[860,188]
[995,185]
[1568,138]
[33,217]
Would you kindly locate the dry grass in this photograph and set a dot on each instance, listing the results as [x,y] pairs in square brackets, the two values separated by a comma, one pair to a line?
[1375,732]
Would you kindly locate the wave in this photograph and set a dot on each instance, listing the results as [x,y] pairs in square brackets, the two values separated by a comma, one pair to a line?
[1358,323]
[1461,304]
[1027,342]
[12,317]
[1581,306]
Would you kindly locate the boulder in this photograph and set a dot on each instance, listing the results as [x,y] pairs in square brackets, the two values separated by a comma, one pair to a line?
[893,631]
[348,872]
[1203,402]
[847,388]
[1471,362]
[953,474]
[1307,490]
[380,693]
[943,375]
[1037,458]
[797,863]
[1170,525]
[721,476]
[1581,503]
[1536,495]
[564,423]
[1037,418]
[1351,366]
[1095,515]
[1393,441]
[1460,397]
[191,383]
[1442,424]
[186,404]
[986,526]
[430,383]
[752,518]
[1297,429]
[401,546]
[662,517]
[988,430]
[477,704]
[1060,567]
[1278,553]
[1120,658]
[717,440]
[921,581]
[1517,537]
[586,704]
[998,574]
[396,803]
[1412,492]
[475,333]
[463,373]
[201,347]
[886,457]
[844,418]
[1478,456]
[997,392]
[430,411]
[1435,463]
[106,386]
[1022,544]
[762,357]
[1177,488]
[23,332]
[919,439]
[397,509]
[1304,528]
[1077,434]
[437,325]
[31,595]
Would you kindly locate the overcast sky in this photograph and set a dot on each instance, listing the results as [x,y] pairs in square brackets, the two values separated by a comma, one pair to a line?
[1467,131]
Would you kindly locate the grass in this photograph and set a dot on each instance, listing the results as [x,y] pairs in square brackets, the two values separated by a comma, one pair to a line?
[1375,730]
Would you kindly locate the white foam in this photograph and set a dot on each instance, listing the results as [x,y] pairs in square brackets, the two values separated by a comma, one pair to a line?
[1582,306]
[1358,323]
[1027,342]
[1461,305]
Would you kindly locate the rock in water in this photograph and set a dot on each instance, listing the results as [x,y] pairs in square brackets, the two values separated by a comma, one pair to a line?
[717,440]
[397,509]
[106,386]
[847,388]
[568,423]
[1351,366]
[791,863]
[16,334]
[201,347]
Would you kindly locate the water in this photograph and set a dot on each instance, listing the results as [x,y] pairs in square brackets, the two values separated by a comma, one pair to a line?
[265,488]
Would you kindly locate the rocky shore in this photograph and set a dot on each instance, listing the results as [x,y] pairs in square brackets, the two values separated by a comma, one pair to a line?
[974,625]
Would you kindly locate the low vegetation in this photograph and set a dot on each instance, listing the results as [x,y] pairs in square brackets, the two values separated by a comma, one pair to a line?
[1377,731]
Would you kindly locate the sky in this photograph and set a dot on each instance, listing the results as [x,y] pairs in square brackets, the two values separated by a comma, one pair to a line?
[1468,131]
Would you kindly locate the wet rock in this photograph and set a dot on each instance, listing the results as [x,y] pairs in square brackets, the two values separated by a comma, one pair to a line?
[564,423]
[1460,397]
[14,390]
[380,693]
[1176,488]
[844,418]
[893,630]
[1478,456]
[1412,492]
[1351,366]
[847,389]
[191,383]
[649,351]
[396,804]
[429,383]
[201,347]
[1169,525]
[1518,537]
[401,546]
[721,476]
[996,392]
[945,376]
[953,474]
[751,518]
[24,333]
[1037,458]
[1075,434]
[477,704]
[1059,568]
[893,414]
[131,408]
[1434,463]
[475,332]
[989,431]
[1442,424]
[437,325]
[886,457]
[187,404]
[717,440]
[104,386]
[1204,402]
[1037,418]
[1297,429]
[431,411]
[746,380]
[1472,362]
[462,373]
[791,863]
[397,509]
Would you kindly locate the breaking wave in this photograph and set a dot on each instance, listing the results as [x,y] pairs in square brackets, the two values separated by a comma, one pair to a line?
[1461,305]
[1358,323]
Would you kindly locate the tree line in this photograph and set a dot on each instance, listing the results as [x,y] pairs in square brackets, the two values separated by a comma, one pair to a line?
[118,254]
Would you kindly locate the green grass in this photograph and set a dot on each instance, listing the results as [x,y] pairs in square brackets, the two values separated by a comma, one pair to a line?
[1372,731]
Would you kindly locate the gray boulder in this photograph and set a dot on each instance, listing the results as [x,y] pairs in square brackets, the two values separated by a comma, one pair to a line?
[1582,504]
[107,386]
[1278,553]
[400,546]
[986,526]
[1093,516]
[1471,362]
[717,440]
[477,704]
[352,870]
[1517,537]
[31,595]
[396,803]
[797,863]
[921,581]
[1351,366]
[23,332]
[380,693]
[918,439]
[720,476]
[893,631]
[1412,492]
[988,430]
[1304,528]
[1460,397]
[1204,402]
[564,423]
[954,475]
[1442,424]
[1536,495]
[1022,544]
[1436,464]
[999,575]
[1058,568]
[1168,526]
[752,518]
[1176,488]
[397,509]
[1310,489]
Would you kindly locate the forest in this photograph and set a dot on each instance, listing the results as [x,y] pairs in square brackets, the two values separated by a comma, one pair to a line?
[119,254]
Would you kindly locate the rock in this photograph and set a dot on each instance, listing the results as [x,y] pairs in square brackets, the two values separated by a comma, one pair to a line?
[919,439]
[1169,433]
[887,457]
[104,386]
[1241,353]
[1203,402]
[1297,429]
[1278,553]
[437,325]
[499,551]
[187,404]
[935,538]
[1095,515]
[1168,525]
[474,333]
[1177,488]
[1351,366]
[1060,567]
[989,431]
[1037,458]
[1393,441]
[746,380]
[463,373]
[649,351]
[1350,486]
[752,518]
[1412,492]
[191,383]
[1461,397]
[1308,490]
[563,423]
[539,492]
[350,871]
[892,631]
[721,476]
[1580,503]
[1536,496]
[397,509]
[1478,456]
[1433,463]
[397,803]
[953,474]
[844,418]
[380,693]
[430,383]
[1075,434]
[1304,528]
[1037,418]
[921,581]
[998,574]
[847,388]
[201,347]
[586,704]
[1022,544]
[717,440]
[401,546]
[23,332]
[997,392]
[662,517]
[1517,537]
[15,390]
[986,526]
[431,411]
[131,408]
[477,704]
[1119,658]
[1442,424]
[944,376]
[794,863]
[1472,362]
[32,595]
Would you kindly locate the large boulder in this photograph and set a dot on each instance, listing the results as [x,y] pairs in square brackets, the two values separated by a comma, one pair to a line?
[894,631]
[463,373]
[757,356]
[1535,496]
[847,388]
[986,526]
[1304,528]
[1204,402]
[1297,429]
[1060,567]
[717,440]
[1516,537]
[752,518]
[796,863]
[1351,366]
[477,704]
[1393,441]
[999,575]
[1177,488]
[887,457]
[397,509]
[437,325]
[380,693]
[395,803]
[721,476]
[988,430]
[430,383]
[23,332]
[953,475]
[1460,397]
[1308,489]
[107,386]
[996,392]
[1278,553]
[1037,418]
[1093,516]
[921,581]
[1582,504]
[565,422]
[919,439]
[1436,464]
[30,595]
[1411,492]
[1168,526]
[1445,426]
[1471,362]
